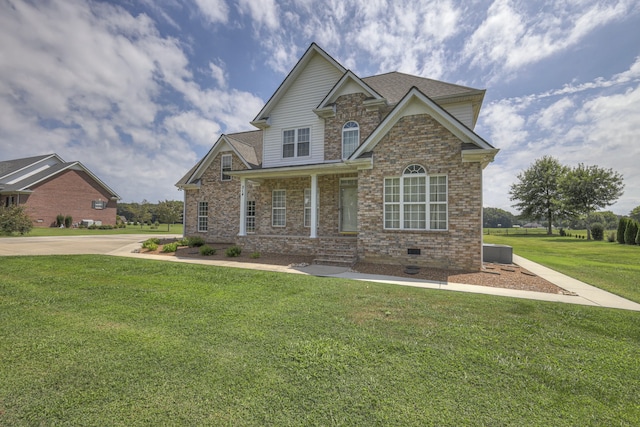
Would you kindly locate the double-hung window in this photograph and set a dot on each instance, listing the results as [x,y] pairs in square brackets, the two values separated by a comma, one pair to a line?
[225,166]
[279,208]
[295,142]
[250,219]
[203,216]
[415,201]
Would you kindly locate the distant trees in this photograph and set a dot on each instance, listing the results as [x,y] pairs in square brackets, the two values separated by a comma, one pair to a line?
[537,192]
[496,217]
[169,212]
[552,191]
[635,213]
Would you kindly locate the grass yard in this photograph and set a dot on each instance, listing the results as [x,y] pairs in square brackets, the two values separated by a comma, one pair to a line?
[97,340]
[609,266]
[130,229]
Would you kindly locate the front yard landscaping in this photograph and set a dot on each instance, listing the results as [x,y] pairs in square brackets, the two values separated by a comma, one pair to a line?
[98,340]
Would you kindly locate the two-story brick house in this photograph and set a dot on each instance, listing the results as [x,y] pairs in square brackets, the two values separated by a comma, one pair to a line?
[384,169]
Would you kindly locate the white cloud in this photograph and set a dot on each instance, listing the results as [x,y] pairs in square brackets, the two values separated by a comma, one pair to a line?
[214,11]
[219,74]
[511,36]
[262,12]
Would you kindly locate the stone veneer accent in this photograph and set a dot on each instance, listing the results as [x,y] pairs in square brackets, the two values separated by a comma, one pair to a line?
[421,140]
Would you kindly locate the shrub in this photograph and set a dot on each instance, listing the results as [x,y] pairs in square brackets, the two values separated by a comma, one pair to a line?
[59,220]
[194,241]
[612,237]
[68,221]
[597,231]
[170,247]
[638,236]
[255,255]
[630,232]
[14,219]
[233,251]
[151,244]
[622,226]
[207,250]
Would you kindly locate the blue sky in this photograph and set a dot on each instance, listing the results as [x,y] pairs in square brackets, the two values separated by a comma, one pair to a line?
[138,91]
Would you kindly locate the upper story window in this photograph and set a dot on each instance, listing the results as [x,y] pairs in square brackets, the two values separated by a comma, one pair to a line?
[295,142]
[350,138]
[415,201]
[225,166]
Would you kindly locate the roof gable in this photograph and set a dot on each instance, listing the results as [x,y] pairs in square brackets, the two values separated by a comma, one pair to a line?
[416,102]
[262,117]
[349,83]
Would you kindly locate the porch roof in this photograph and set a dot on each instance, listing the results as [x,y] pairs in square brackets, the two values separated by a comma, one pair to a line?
[305,170]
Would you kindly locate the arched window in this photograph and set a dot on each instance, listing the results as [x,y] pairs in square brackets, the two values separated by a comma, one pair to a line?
[415,200]
[350,138]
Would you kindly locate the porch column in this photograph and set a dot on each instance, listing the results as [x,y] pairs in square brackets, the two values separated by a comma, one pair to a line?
[243,207]
[314,207]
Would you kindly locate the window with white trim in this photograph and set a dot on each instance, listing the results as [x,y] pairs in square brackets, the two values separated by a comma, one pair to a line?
[250,218]
[295,142]
[98,204]
[225,166]
[279,208]
[415,201]
[350,138]
[203,216]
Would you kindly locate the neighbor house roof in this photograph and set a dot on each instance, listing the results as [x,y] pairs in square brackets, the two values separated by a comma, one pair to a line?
[21,175]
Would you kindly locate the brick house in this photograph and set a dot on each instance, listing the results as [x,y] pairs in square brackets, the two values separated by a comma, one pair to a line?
[379,169]
[47,186]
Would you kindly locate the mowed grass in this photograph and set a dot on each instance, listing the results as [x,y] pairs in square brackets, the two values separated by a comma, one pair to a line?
[130,229]
[609,266]
[97,340]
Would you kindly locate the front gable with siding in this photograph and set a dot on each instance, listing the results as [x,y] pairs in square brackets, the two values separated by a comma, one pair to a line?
[391,171]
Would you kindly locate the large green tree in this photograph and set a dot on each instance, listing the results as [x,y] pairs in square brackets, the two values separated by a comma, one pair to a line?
[586,189]
[635,213]
[537,191]
[169,212]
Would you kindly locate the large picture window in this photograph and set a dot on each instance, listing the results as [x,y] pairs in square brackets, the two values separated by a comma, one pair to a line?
[295,142]
[415,201]
[279,208]
[350,138]
[203,216]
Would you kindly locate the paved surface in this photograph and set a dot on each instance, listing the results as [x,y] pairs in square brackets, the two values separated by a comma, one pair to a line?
[127,244]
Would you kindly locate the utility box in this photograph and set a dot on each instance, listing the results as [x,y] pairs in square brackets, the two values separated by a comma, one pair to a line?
[501,254]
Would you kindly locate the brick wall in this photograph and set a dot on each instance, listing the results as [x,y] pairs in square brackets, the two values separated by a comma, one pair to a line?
[420,139]
[70,194]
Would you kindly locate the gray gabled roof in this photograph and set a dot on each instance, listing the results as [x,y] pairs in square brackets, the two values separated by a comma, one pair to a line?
[25,184]
[394,86]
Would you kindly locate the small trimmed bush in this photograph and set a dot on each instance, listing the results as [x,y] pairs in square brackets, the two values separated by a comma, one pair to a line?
[151,244]
[562,232]
[194,241]
[255,255]
[233,251]
[170,247]
[597,231]
[612,237]
[68,221]
[59,220]
[207,250]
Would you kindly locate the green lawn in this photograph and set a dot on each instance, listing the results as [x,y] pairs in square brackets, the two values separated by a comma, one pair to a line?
[609,266]
[130,229]
[97,340]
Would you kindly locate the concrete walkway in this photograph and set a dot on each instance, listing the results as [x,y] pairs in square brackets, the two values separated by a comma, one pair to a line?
[584,294]
[127,245]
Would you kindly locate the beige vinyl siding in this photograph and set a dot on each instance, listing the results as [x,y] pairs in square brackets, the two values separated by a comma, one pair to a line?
[295,110]
[462,112]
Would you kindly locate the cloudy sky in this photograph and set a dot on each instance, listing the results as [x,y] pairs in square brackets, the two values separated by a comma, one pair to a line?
[138,90]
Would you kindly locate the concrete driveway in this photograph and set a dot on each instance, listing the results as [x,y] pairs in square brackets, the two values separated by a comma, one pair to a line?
[71,245]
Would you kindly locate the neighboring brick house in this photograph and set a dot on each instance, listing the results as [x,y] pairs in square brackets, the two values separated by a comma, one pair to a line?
[47,186]
[379,169]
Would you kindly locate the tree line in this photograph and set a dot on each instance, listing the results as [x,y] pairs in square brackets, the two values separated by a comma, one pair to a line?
[166,212]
